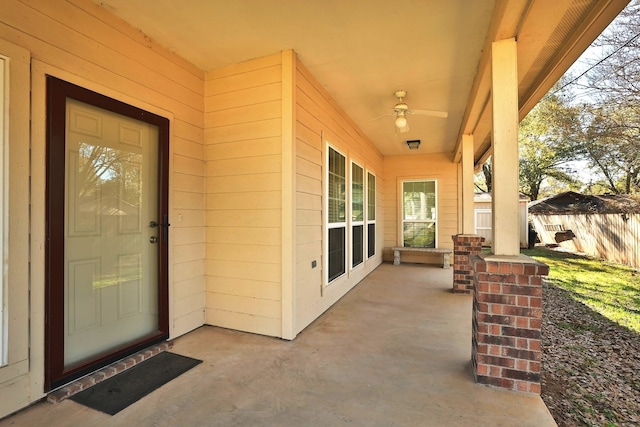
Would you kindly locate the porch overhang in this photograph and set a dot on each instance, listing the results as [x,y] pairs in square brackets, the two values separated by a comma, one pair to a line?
[439,52]
[550,37]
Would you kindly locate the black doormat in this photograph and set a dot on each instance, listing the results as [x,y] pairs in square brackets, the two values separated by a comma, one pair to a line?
[113,395]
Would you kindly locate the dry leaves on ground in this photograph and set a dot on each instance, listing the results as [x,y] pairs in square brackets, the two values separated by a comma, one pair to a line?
[591,366]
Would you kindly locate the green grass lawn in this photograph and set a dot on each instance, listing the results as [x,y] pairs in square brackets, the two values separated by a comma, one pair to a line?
[612,290]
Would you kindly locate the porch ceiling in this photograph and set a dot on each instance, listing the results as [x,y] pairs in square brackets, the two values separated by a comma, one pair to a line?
[362,51]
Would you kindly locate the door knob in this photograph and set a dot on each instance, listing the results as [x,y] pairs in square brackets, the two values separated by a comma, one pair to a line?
[153,239]
[165,225]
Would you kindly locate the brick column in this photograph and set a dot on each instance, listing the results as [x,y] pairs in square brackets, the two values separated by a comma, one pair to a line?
[465,247]
[507,322]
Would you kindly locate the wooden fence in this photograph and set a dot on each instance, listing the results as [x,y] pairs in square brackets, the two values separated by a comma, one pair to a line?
[614,237]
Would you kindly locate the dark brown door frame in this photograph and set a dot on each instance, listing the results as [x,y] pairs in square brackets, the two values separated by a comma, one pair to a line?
[57,93]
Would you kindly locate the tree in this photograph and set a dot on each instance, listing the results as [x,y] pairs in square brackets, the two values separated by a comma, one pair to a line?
[611,143]
[482,180]
[609,89]
[546,142]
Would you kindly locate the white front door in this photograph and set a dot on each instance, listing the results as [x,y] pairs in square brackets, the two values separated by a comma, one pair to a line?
[107,231]
[111,197]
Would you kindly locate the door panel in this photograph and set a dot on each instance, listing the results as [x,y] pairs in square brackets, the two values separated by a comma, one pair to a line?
[107,285]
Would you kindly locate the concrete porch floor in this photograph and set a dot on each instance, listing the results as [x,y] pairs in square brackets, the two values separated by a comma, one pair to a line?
[395,351]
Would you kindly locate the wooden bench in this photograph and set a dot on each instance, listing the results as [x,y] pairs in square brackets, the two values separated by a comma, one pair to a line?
[446,254]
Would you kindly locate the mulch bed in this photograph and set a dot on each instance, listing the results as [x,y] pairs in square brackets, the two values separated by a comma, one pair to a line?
[591,366]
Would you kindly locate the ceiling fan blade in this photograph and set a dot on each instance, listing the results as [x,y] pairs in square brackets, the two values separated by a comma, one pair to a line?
[432,113]
[383,115]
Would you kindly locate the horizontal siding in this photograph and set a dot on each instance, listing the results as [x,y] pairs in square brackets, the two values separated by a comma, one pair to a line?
[244,132]
[84,46]
[257,235]
[240,68]
[243,252]
[247,200]
[243,165]
[186,237]
[189,270]
[187,183]
[188,252]
[255,218]
[244,322]
[259,289]
[243,97]
[183,200]
[244,269]
[188,165]
[308,217]
[188,288]
[238,115]
[187,218]
[317,114]
[243,183]
[244,305]
[233,150]
[243,80]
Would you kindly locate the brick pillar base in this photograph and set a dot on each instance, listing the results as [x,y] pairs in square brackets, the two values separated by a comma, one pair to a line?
[465,247]
[507,322]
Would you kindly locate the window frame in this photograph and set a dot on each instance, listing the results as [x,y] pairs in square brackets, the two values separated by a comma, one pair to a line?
[370,215]
[4,122]
[401,203]
[357,223]
[335,225]
[15,204]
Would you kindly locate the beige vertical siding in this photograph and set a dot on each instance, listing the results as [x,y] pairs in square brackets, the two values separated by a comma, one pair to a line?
[606,236]
[243,153]
[78,41]
[429,166]
[321,120]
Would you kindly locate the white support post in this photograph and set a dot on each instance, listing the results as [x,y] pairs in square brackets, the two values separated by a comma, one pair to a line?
[468,211]
[504,83]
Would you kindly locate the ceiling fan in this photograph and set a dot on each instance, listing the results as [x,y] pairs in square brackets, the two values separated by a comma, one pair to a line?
[401,110]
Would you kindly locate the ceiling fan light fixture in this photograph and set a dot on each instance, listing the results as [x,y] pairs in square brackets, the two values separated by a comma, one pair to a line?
[401,121]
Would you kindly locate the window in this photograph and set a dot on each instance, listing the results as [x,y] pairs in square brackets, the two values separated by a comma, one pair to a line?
[371,215]
[419,214]
[357,215]
[336,212]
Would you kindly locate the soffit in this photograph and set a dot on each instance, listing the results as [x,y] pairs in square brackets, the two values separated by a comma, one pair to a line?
[361,51]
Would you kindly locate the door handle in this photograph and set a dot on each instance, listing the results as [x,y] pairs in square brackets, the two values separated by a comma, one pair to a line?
[154,224]
[153,239]
[165,224]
